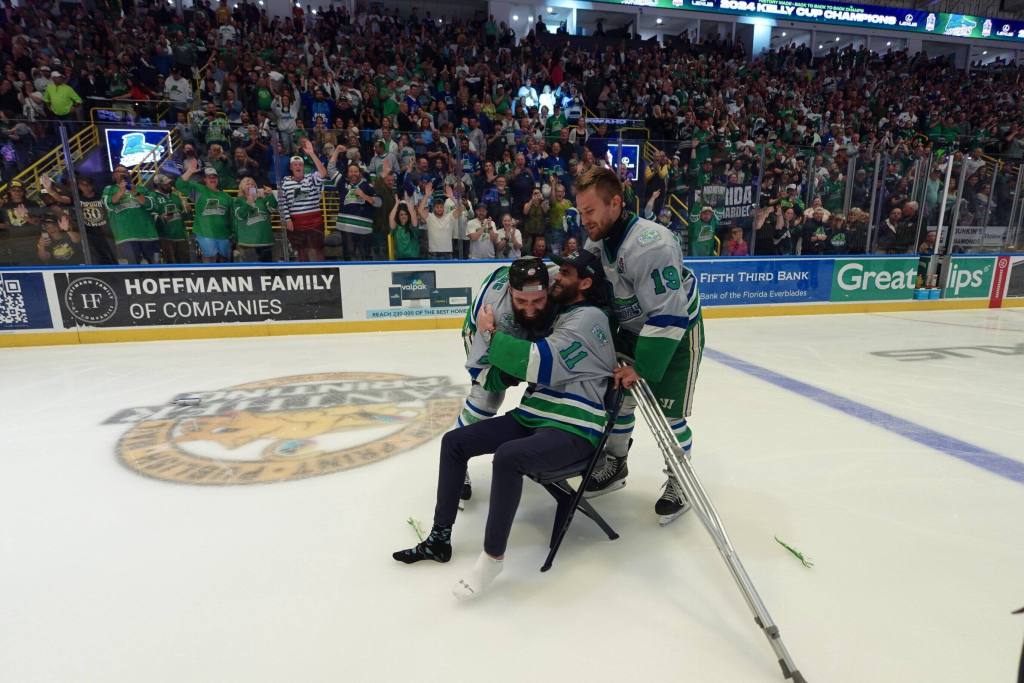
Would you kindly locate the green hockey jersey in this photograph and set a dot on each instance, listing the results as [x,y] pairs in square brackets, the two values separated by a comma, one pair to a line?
[130,218]
[568,372]
[251,223]
[213,209]
[170,216]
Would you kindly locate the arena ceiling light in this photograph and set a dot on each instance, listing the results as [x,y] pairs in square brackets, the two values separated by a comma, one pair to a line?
[515,17]
[549,10]
[783,34]
[658,20]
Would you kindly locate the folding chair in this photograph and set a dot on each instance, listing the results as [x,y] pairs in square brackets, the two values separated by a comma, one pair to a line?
[568,499]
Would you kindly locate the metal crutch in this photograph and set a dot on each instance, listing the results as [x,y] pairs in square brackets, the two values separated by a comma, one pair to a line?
[679,465]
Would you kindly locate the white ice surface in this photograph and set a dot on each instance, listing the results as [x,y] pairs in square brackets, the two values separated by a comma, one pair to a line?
[106,575]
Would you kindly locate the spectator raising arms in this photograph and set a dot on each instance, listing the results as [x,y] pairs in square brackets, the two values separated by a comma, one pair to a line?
[405,230]
[299,204]
[251,214]
[129,211]
[212,222]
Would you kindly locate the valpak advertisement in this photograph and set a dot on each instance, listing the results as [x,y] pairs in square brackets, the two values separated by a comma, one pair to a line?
[414,290]
[193,297]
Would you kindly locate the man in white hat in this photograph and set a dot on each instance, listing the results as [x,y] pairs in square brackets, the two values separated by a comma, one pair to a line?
[61,99]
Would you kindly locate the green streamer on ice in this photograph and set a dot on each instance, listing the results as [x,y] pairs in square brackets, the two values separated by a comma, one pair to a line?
[805,561]
[416,528]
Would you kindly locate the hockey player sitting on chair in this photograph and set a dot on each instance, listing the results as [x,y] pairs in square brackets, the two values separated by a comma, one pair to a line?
[558,422]
[517,295]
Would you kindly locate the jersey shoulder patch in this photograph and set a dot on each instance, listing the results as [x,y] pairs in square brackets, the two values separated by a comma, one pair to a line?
[648,236]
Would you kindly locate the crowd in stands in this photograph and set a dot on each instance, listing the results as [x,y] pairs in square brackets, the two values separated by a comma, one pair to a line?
[458,139]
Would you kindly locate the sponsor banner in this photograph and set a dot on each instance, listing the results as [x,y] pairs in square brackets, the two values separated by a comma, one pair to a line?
[999,279]
[23,304]
[881,279]
[1015,277]
[822,12]
[726,282]
[112,298]
[970,277]
[390,291]
[980,237]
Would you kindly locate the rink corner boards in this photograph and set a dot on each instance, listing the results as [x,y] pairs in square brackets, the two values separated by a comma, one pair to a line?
[85,305]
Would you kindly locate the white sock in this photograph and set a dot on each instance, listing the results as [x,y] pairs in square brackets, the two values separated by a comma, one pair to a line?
[475,581]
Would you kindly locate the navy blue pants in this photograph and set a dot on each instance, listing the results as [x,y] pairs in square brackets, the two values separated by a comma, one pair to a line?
[518,450]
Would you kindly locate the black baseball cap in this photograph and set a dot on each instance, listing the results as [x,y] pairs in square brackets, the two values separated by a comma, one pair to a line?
[528,274]
[586,263]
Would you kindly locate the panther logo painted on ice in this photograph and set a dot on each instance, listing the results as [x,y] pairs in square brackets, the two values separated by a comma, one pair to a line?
[287,428]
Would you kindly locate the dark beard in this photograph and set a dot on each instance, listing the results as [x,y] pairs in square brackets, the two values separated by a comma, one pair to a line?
[563,295]
[538,324]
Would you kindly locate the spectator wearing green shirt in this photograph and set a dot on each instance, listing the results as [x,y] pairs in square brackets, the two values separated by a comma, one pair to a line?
[61,99]
[791,200]
[219,161]
[169,211]
[128,210]
[557,207]
[212,225]
[702,233]
[250,215]
[404,231]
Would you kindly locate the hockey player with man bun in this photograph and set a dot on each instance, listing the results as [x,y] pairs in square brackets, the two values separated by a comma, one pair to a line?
[657,307]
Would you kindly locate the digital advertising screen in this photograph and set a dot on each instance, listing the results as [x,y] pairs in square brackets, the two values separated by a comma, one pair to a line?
[130,147]
[823,12]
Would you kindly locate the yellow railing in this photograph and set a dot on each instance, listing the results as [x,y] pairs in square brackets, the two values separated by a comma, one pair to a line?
[649,151]
[678,208]
[80,144]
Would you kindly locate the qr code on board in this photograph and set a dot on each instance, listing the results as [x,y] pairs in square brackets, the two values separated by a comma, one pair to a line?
[12,304]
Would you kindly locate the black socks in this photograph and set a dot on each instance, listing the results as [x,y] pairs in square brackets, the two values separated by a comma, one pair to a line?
[437,547]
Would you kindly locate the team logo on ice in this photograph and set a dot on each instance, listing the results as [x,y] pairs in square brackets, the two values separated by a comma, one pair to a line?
[287,428]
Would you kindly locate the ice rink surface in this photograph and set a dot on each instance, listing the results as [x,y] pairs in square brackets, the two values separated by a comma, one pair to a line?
[899,472]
